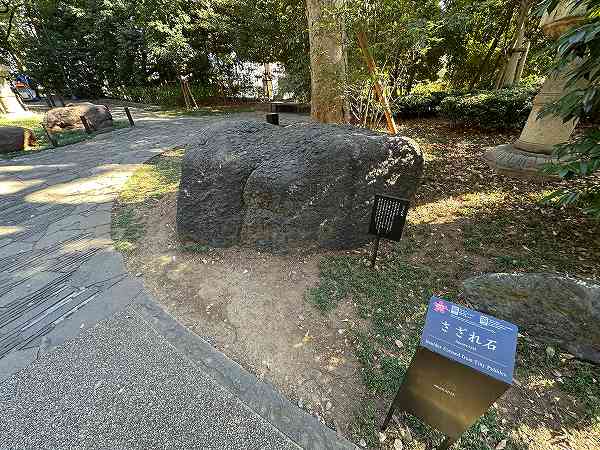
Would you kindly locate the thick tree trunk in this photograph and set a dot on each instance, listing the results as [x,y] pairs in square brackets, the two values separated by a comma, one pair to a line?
[327,63]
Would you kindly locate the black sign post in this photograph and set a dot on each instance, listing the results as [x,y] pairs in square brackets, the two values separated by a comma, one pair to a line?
[129,118]
[273,118]
[464,364]
[387,220]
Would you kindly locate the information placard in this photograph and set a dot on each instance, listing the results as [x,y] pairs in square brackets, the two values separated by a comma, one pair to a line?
[469,337]
[465,363]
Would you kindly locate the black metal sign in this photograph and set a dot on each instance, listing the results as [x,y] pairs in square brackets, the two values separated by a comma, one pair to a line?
[464,364]
[387,220]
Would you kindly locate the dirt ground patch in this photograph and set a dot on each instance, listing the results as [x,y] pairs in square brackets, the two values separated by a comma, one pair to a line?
[251,306]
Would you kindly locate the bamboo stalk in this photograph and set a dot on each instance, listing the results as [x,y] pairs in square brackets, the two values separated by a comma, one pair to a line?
[364,46]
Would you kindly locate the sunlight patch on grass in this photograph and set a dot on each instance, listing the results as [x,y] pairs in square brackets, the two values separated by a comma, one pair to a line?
[153,180]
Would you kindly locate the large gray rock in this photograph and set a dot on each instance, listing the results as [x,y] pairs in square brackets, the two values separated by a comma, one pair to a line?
[556,309]
[257,184]
[69,117]
[14,139]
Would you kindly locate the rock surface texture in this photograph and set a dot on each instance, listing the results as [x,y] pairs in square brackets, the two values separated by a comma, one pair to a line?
[556,309]
[14,139]
[69,117]
[303,185]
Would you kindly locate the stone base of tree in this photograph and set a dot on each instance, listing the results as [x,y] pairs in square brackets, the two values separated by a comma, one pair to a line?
[508,160]
[14,139]
[303,185]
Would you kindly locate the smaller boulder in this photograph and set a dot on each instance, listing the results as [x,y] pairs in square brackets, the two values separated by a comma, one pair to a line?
[557,310]
[69,117]
[14,139]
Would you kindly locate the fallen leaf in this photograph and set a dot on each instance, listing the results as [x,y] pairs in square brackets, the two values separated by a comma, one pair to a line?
[398,445]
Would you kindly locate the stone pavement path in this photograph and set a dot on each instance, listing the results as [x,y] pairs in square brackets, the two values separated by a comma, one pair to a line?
[137,376]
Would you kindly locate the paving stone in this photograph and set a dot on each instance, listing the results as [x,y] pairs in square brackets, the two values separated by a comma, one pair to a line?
[27,286]
[14,248]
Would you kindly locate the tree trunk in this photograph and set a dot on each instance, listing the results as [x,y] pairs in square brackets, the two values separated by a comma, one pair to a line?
[327,63]
[268,81]
[522,61]
[490,51]
[510,72]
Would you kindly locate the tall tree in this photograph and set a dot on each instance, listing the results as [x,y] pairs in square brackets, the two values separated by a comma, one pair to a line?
[328,61]
[516,60]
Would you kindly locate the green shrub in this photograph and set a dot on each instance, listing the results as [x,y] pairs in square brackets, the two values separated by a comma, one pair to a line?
[501,109]
[418,105]
[429,87]
[169,94]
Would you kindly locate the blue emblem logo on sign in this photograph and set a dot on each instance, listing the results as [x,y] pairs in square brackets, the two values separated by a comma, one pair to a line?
[469,337]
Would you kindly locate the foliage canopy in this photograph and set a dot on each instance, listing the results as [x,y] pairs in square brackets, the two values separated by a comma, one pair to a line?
[92,47]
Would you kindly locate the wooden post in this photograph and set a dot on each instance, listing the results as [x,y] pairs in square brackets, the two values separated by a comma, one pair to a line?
[374,253]
[86,125]
[187,85]
[131,124]
[364,46]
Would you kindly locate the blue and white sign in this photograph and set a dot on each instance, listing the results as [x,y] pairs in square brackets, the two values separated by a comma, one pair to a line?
[469,337]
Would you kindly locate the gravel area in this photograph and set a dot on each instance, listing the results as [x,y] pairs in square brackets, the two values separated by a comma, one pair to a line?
[120,385]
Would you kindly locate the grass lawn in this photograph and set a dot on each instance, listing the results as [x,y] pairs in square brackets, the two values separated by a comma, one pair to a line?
[464,221]
[151,181]
[64,138]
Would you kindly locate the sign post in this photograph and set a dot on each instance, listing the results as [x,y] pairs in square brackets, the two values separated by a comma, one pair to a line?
[387,220]
[129,118]
[464,364]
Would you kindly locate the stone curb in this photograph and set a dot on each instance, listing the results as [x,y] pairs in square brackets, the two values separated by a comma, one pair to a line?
[299,426]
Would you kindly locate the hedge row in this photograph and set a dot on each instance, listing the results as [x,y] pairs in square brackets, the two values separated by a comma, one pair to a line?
[501,109]
[419,105]
[169,95]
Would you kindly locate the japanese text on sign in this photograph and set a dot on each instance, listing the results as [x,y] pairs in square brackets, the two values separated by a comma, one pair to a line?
[477,340]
